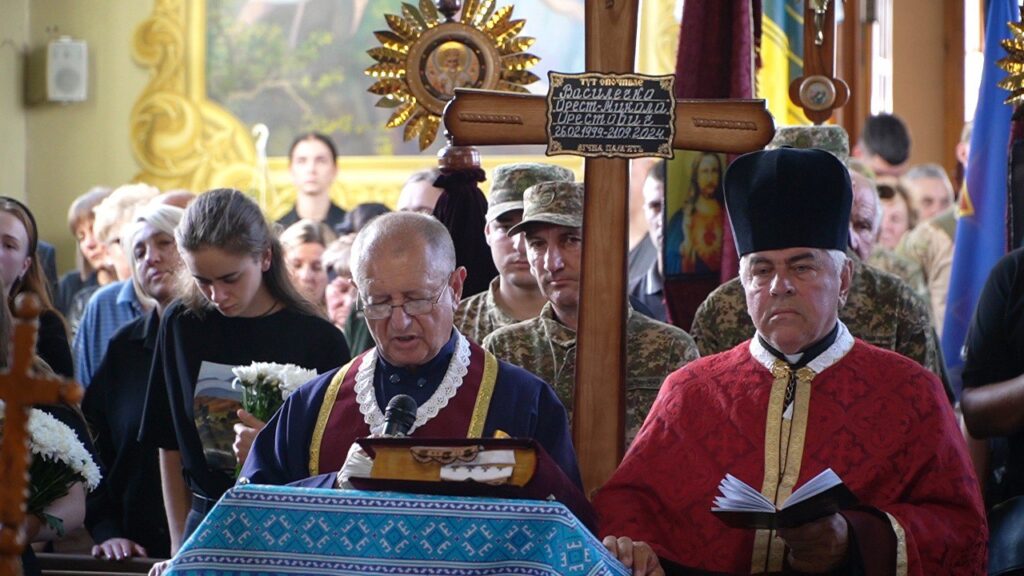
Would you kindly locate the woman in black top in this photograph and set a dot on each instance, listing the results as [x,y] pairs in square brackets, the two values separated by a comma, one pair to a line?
[21,273]
[125,514]
[239,308]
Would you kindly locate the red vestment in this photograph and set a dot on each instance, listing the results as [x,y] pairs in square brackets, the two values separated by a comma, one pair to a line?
[880,421]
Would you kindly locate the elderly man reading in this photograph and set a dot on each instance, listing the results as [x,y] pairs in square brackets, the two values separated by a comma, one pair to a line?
[798,398]
[403,265]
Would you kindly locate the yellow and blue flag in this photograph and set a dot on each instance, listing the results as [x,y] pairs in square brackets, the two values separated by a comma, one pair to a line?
[981,238]
[782,58]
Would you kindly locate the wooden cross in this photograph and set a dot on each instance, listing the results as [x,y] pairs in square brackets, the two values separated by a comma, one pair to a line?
[476,117]
[818,92]
[20,388]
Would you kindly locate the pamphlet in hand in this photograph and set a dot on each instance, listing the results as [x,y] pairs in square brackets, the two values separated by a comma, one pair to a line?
[741,506]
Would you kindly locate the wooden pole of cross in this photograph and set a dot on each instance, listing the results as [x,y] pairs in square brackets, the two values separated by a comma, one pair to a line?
[20,389]
[478,118]
[818,91]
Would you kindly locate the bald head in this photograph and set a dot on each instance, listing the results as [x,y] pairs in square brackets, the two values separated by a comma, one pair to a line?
[400,235]
[865,215]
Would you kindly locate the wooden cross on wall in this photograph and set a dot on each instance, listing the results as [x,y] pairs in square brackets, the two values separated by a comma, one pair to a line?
[20,389]
[476,118]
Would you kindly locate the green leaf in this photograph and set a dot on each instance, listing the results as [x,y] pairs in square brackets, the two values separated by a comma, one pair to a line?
[56,524]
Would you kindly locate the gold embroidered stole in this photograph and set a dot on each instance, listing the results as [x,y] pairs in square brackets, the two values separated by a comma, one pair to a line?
[783,452]
[482,375]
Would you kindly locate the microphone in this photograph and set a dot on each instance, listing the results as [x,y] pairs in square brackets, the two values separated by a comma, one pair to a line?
[399,416]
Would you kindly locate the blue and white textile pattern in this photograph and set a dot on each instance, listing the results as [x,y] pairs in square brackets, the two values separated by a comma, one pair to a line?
[271,530]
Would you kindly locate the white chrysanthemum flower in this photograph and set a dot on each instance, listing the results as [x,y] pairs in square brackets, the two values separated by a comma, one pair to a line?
[292,377]
[55,441]
[287,377]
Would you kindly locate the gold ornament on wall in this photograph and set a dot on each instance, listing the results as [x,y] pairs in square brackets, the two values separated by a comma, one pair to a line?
[179,138]
[426,54]
[1013,64]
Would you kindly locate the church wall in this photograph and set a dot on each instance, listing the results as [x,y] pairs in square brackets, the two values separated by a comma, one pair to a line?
[74,147]
[13,38]
[918,51]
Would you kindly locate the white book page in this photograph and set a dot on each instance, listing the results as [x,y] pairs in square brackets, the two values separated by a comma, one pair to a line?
[813,487]
[738,496]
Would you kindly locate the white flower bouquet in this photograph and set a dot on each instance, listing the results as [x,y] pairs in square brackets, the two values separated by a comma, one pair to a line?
[59,460]
[265,385]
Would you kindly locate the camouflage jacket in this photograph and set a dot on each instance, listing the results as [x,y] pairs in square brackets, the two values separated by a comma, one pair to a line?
[906,269]
[546,347]
[881,309]
[480,314]
[930,244]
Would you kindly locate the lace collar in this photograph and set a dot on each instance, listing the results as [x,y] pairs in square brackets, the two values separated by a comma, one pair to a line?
[834,353]
[458,366]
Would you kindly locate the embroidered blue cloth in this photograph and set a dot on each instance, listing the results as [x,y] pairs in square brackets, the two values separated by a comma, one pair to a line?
[270,530]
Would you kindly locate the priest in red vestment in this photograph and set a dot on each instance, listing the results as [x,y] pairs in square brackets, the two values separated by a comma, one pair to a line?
[801,396]
[409,286]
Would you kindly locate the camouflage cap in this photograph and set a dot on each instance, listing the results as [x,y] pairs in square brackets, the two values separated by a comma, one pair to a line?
[559,203]
[511,180]
[830,138]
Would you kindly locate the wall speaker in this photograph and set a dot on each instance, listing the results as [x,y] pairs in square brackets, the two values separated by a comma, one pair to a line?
[58,73]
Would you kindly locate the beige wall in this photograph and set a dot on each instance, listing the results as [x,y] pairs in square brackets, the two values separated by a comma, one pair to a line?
[13,39]
[918,76]
[74,147]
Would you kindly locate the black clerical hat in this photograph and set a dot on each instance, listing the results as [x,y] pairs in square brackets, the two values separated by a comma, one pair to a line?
[788,198]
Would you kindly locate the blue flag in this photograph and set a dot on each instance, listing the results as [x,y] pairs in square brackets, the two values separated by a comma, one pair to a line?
[981,228]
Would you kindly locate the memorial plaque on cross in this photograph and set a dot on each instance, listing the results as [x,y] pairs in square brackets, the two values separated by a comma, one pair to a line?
[478,118]
[20,388]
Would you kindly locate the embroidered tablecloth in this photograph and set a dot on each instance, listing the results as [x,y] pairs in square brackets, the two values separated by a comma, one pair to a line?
[268,530]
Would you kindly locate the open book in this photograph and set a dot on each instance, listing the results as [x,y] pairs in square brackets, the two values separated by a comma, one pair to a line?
[741,506]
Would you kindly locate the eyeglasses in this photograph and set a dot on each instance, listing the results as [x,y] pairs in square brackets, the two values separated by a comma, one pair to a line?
[410,307]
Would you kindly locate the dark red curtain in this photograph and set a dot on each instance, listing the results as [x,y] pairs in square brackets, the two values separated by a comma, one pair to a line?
[717,44]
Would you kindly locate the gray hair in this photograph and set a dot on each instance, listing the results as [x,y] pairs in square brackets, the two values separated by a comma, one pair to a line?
[336,256]
[164,218]
[395,233]
[837,257]
[930,170]
[117,209]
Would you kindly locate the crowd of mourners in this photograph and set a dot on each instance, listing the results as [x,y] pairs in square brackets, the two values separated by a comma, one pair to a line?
[824,352]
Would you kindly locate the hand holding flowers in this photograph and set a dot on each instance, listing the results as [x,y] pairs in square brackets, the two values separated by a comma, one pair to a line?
[265,385]
[59,460]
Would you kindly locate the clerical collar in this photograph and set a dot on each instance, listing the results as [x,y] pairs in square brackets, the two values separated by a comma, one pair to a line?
[371,394]
[417,376]
[805,356]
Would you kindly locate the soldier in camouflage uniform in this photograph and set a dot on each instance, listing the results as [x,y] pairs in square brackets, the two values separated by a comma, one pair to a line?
[546,345]
[830,138]
[903,268]
[881,309]
[865,222]
[930,244]
[513,295]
